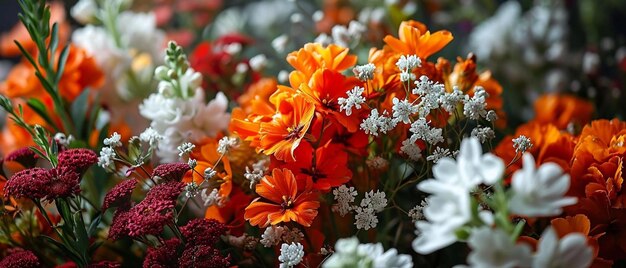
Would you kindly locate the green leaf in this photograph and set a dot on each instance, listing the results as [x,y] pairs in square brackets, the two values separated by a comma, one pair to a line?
[25,53]
[54,42]
[70,252]
[93,227]
[82,238]
[79,111]
[41,110]
[61,64]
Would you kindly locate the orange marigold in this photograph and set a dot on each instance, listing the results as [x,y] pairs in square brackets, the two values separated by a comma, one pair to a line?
[415,39]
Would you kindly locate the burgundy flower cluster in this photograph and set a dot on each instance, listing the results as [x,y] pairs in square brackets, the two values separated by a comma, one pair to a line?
[61,181]
[25,156]
[146,218]
[171,172]
[19,258]
[199,249]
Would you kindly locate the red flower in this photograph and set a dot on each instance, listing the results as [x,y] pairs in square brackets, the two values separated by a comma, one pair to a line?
[119,222]
[78,159]
[203,256]
[203,231]
[25,156]
[164,256]
[19,258]
[30,183]
[171,172]
[63,182]
[120,194]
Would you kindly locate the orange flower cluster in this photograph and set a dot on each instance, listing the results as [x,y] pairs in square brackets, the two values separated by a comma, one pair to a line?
[594,160]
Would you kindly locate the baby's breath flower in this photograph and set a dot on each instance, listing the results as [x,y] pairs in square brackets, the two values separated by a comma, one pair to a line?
[226,144]
[411,150]
[254,176]
[371,123]
[365,218]
[213,198]
[449,101]
[209,173]
[290,254]
[344,196]
[402,110]
[491,116]
[417,213]
[192,163]
[114,140]
[107,154]
[422,131]
[364,72]
[474,107]
[191,189]
[355,99]
[522,144]
[150,136]
[185,148]
[483,133]
[408,62]
[439,153]
[375,200]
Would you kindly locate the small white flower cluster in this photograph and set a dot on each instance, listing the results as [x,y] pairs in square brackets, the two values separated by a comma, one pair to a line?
[417,213]
[449,101]
[258,171]
[355,99]
[411,149]
[522,144]
[483,133]
[422,131]
[114,140]
[440,153]
[342,35]
[373,203]
[475,107]
[226,144]
[345,198]
[406,64]
[209,173]
[274,235]
[402,110]
[61,139]
[376,123]
[213,198]
[431,93]
[290,255]
[349,253]
[192,189]
[107,154]
[364,72]
[185,148]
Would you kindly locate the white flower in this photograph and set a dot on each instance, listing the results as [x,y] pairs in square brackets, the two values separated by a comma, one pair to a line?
[475,107]
[61,139]
[192,189]
[150,136]
[471,167]
[539,192]
[114,140]
[355,99]
[449,101]
[280,43]
[272,236]
[408,62]
[258,62]
[371,123]
[365,218]
[571,251]
[491,116]
[411,150]
[254,176]
[448,209]
[139,31]
[402,110]
[213,198]
[107,154]
[417,213]
[364,72]
[494,248]
[483,133]
[375,200]
[349,253]
[438,154]
[226,144]
[185,148]
[522,144]
[344,196]
[422,131]
[209,173]
[84,11]
[290,254]
[192,163]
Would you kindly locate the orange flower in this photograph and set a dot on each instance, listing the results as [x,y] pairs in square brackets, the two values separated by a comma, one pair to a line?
[415,39]
[283,134]
[326,166]
[285,202]
[314,56]
[258,91]
[580,224]
[81,71]
[561,110]
[324,89]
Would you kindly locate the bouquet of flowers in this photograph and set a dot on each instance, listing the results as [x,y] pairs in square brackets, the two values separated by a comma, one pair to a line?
[131,140]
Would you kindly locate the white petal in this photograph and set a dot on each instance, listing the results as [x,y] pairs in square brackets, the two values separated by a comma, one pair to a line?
[492,168]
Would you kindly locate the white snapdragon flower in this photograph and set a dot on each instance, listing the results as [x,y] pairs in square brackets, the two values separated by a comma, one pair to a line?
[349,253]
[355,99]
[144,36]
[539,192]
[114,141]
[570,251]
[290,254]
[494,248]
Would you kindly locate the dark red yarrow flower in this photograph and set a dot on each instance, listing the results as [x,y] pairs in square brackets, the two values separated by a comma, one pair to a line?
[120,194]
[149,217]
[165,256]
[25,156]
[63,182]
[203,231]
[101,264]
[119,223]
[79,159]
[166,191]
[203,256]
[171,172]
[20,258]
[30,183]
